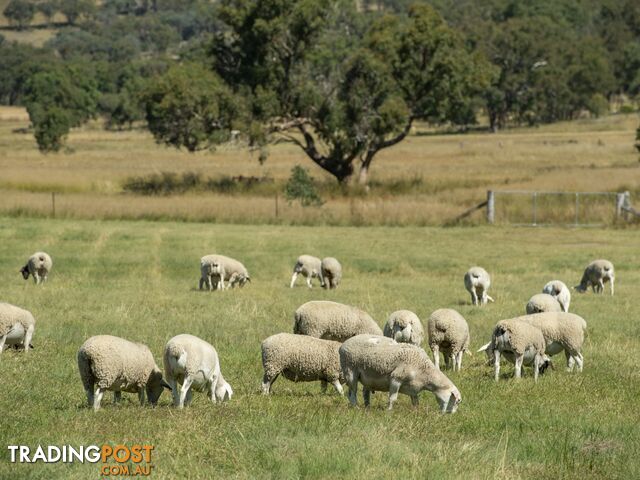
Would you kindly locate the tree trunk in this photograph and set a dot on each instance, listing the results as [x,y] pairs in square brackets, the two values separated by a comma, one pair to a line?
[363,175]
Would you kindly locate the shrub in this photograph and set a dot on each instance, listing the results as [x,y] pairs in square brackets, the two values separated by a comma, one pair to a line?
[301,186]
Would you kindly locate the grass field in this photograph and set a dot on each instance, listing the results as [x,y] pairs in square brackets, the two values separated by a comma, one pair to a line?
[138,280]
[438,176]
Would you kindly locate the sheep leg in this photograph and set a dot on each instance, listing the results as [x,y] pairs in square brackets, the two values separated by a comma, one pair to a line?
[27,338]
[570,361]
[353,392]
[323,386]
[474,296]
[611,280]
[213,384]
[2,340]
[293,279]
[366,395]
[600,285]
[394,388]
[117,397]
[98,398]
[189,397]
[414,400]
[338,386]
[519,360]
[496,364]
[174,390]
[267,381]
[451,363]
[458,363]
[536,367]
[309,282]
[201,283]
[36,278]
[436,356]
[579,360]
[141,395]
[186,385]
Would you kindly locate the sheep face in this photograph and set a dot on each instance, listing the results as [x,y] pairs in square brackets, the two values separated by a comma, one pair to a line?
[25,272]
[223,392]
[448,399]
[155,385]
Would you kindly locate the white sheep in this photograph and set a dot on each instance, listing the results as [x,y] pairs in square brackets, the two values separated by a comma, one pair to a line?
[301,358]
[562,331]
[596,275]
[542,302]
[193,363]
[115,364]
[331,273]
[559,290]
[520,343]
[382,364]
[333,321]
[38,265]
[310,267]
[16,327]
[215,269]
[448,332]
[404,326]
[477,282]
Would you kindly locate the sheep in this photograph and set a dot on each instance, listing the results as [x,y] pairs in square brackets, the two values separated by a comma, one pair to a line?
[38,265]
[382,364]
[542,302]
[194,364]
[300,358]
[404,326]
[310,267]
[331,273]
[332,321]
[477,283]
[559,290]
[561,331]
[118,365]
[448,331]
[215,269]
[596,275]
[521,343]
[16,327]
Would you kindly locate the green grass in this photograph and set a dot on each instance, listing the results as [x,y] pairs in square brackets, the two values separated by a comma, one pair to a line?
[138,280]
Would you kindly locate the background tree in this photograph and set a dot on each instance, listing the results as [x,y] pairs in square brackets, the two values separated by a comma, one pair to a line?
[48,9]
[19,13]
[74,9]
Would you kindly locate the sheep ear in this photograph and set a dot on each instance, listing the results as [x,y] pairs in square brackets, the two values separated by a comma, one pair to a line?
[484,347]
[166,385]
[468,352]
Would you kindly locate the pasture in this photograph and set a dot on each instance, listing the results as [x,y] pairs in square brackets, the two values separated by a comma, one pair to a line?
[428,179]
[138,280]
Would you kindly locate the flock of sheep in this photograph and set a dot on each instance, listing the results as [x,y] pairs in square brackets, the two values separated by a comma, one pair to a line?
[331,342]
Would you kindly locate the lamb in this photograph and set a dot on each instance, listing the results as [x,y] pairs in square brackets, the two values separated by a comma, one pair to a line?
[477,283]
[448,331]
[561,331]
[521,343]
[542,302]
[404,326]
[16,327]
[382,364]
[119,365]
[596,275]
[38,265]
[310,267]
[332,321]
[331,273]
[215,269]
[300,358]
[194,364]
[559,290]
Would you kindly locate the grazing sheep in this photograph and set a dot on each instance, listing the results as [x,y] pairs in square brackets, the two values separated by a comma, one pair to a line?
[448,332]
[542,302]
[16,327]
[477,283]
[38,265]
[310,267]
[194,364]
[596,275]
[521,344]
[215,269]
[559,290]
[300,358]
[562,331]
[331,273]
[404,326]
[119,365]
[332,321]
[382,364]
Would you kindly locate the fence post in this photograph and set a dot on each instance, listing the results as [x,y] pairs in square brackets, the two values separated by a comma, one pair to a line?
[276,205]
[53,204]
[491,206]
[535,208]
[577,207]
